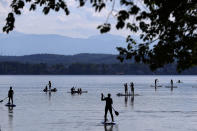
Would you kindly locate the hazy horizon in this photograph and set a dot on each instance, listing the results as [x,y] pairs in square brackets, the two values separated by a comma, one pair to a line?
[19,44]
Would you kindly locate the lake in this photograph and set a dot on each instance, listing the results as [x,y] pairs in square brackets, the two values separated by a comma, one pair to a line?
[160,110]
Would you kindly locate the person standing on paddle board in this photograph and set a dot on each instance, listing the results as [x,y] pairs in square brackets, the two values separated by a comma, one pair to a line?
[49,85]
[171,83]
[126,88]
[132,88]
[108,106]
[156,82]
[10,95]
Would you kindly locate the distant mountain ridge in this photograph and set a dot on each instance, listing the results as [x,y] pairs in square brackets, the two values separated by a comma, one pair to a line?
[62,59]
[24,44]
[85,63]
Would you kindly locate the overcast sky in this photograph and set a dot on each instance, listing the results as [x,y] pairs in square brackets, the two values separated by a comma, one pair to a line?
[82,22]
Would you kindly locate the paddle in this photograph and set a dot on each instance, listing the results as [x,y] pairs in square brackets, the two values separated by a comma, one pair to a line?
[117,113]
[3,99]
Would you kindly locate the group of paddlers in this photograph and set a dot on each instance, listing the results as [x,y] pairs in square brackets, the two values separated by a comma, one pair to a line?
[108,99]
[126,88]
[73,90]
[46,89]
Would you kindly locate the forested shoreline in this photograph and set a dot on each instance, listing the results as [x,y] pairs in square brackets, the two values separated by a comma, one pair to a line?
[17,68]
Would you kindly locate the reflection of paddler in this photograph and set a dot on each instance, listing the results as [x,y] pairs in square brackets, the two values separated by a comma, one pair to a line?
[108,129]
[125,100]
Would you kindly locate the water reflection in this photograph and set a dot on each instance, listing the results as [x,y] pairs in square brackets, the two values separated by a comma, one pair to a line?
[126,100]
[110,127]
[10,117]
[49,96]
[132,101]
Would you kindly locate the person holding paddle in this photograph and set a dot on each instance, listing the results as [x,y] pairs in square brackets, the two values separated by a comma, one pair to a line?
[126,88]
[10,95]
[132,88]
[108,106]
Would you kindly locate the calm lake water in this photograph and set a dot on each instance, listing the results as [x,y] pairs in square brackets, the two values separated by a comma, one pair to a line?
[160,110]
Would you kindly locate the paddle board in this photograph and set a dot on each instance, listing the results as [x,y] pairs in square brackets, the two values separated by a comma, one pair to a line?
[49,91]
[10,105]
[120,94]
[156,86]
[78,92]
[108,123]
[171,87]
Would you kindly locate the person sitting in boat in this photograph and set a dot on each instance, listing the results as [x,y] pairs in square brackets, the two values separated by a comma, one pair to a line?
[45,89]
[78,90]
[108,106]
[10,95]
[54,89]
[72,89]
[179,81]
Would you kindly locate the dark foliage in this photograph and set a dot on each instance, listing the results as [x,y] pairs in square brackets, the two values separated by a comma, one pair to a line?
[168,28]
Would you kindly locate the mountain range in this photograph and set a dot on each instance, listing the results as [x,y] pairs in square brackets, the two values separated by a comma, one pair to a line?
[17,44]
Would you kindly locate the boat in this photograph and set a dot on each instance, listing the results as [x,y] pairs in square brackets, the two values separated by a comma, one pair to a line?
[77,92]
[52,90]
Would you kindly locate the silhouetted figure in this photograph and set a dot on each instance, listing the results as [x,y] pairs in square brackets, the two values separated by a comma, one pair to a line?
[179,81]
[171,82]
[132,88]
[108,106]
[80,90]
[156,80]
[72,90]
[49,85]
[45,89]
[10,95]
[126,88]
[54,90]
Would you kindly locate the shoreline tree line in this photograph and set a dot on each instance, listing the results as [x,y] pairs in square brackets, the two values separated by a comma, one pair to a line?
[17,68]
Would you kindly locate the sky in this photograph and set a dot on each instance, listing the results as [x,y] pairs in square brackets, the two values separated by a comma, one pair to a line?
[81,23]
